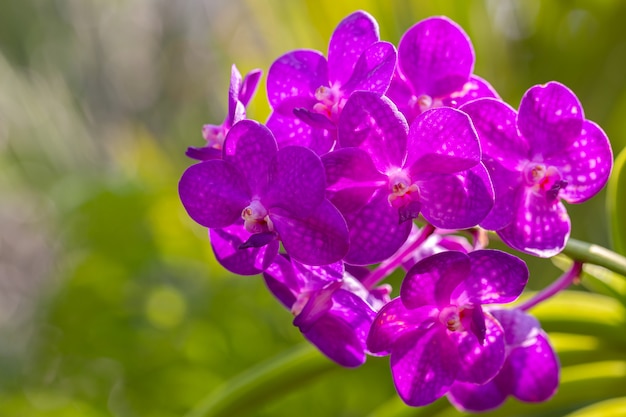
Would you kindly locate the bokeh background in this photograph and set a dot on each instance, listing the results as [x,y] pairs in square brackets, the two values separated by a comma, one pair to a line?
[111,303]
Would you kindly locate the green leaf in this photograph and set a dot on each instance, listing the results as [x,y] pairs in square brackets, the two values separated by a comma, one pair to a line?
[615,407]
[616,203]
[263,383]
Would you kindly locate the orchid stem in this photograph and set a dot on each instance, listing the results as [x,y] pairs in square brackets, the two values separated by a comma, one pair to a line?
[388,266]
[560,284]
[595,254]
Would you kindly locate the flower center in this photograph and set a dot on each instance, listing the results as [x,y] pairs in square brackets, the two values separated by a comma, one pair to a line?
[543,180]
[256,219]
[214,135]
[451,317]
[401,189]
[330,101]
[424,102]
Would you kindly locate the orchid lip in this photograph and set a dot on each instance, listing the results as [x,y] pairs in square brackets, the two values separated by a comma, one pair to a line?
[543,179]
[256,218]
[401,189]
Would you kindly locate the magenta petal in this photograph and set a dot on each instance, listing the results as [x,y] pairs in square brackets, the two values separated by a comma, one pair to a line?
[507,185]
[477,398]
[249,85]
[432,280]
[424,365]
[213,193]
[351,37]
[319,239]
[474,89]
[296,181]
[291,131]
[374,124]
[496,277]
[296,74]
[375,231]
[336,339]
[249,147]
[342,332]
[315,120]
[585,165]
[282,281]
[226,242]
[315,277]
[436,57]
[519,327]
[351,178]
[480,362]
[495,123]
[393,321]
[537,370]
[442,140]
[540,228]
[400,93]
[373,70]
[456,201]
[550,117]
[233,94]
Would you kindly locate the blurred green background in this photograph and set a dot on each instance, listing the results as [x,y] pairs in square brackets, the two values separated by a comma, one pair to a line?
[111,303]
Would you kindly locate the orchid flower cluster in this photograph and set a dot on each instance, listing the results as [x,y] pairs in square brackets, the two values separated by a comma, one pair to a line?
[376,159]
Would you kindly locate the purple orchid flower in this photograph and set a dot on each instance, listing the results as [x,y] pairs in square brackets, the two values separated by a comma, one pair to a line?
[239,95]
[268,192]
[544,153]
[435,64]
[332,309]
[437,331]
[307,92]
[386,173]
[530,372]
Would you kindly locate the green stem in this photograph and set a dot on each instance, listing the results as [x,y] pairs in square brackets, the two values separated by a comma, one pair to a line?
[595,254]
[270,379]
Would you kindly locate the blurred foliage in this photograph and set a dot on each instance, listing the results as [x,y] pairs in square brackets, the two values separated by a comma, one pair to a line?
[111,302]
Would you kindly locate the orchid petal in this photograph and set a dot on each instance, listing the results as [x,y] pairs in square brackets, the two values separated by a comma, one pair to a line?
[296,74]
[375,231]
[436,57]
[214,193]
[537,370]
[478,398]
[393,321]
[249,147]
[474,89]
[456,201]
[373,70]
[442,140]
[480,362]
[585,165]
[424,365]
[495,123]
[226,243]
[341,333]
[540,227]
[496,277]
[550,117]
[351,178]
[432,280]
[319,239]
[296,181]
[291,131]
[249,86]
[353,35]
[233,94]
[373,123]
